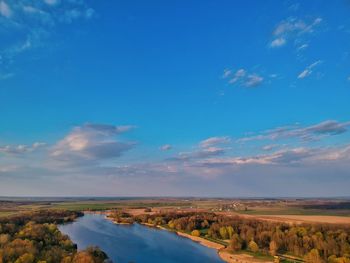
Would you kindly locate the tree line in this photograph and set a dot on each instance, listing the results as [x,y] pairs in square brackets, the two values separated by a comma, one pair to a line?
[35,237]
[314,243]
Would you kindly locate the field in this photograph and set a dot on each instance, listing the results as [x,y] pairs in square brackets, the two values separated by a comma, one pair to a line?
[335,211]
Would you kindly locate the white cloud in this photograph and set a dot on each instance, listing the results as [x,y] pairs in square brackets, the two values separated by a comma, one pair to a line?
[298,26]
[276,166]
[51,2]
[92,142]
[21,148]
[238,76]
[198,154]
[5,9]
[278,42]
[31,23]
[269,147]
[308,133]
[165,147]
[253,80]
[308,70]
[215,141]
[292,28]
[302,47]
[227,72]
[244,79]
[304,74]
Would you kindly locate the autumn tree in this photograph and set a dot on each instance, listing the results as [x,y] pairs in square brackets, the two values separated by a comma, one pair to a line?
[273,248]
[253,246]
[196,233]
[313,257]
[236,242]
[83,257]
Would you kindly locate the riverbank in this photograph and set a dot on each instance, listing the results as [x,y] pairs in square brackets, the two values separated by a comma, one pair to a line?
[221,249]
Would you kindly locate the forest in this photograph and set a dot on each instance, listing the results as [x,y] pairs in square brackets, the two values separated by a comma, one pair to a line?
[314,243]
[35,237]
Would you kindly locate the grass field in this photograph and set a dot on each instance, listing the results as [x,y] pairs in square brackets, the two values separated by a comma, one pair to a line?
[275,209]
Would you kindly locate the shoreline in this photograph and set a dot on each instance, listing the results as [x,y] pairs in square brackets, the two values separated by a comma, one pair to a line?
[220,249]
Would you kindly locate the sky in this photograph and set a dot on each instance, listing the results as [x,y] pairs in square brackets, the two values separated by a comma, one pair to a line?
[175,98]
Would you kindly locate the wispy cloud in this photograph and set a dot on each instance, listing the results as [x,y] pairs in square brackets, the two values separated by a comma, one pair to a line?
[278,42]
[165,147]
[302,47]
[29,24]
[308,70]
[198,154]
[21,148]
[4,76]
[253,80]
[290,156]
[313,132]
[292,29]
[213,141]
[5,9]
[243,78]
[51,2]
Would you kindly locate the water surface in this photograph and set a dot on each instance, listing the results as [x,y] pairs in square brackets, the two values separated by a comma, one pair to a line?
[136,243]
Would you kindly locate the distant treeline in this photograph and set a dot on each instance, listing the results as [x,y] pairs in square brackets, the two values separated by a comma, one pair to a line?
[330,206]
[34,237]
[313,242]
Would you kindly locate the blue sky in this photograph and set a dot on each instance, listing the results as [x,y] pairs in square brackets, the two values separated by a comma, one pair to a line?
[196,98]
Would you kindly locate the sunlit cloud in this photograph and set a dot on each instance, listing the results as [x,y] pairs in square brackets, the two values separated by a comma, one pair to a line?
[92,142]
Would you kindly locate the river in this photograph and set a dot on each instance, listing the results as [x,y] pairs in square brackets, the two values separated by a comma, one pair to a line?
[136,243]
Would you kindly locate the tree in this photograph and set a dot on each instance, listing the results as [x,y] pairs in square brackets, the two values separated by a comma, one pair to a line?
[171,224]
[253,246]
[273,248]
[196,233]
[97,254]
[236,242]
[4,238]
[25,258]
[223,232]
[230,231]
[313,257]
[83,257]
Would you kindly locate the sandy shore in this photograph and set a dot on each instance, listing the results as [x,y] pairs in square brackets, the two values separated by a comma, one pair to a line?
[202,241]
[223,253]
[240,258]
